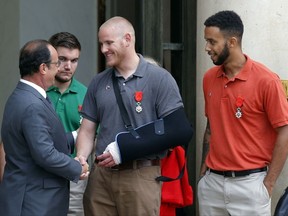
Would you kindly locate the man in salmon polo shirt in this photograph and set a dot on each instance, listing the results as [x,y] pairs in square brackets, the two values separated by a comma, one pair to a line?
[246,139]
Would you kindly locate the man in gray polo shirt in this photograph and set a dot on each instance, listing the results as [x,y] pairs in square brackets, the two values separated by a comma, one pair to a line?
[122,181]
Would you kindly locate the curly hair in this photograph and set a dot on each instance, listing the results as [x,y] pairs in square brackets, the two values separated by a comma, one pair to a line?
[228,22]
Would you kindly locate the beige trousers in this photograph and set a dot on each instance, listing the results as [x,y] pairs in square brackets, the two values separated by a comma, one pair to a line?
[123,193]
[220,196]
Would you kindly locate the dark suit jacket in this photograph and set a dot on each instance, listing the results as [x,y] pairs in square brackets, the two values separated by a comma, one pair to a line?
[38,167]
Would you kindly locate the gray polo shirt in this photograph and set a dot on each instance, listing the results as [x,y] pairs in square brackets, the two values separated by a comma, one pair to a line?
[160,97]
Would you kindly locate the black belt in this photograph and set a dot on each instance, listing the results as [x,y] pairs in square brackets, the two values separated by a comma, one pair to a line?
[238,173]
[136,164]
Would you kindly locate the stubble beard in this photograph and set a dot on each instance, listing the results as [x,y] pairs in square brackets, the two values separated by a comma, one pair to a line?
[222,56]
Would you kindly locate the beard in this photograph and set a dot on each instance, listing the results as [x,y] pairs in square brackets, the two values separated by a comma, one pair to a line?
[61,79]
[222,56]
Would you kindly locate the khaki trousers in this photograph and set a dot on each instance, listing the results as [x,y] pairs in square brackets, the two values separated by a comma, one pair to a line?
[131,192]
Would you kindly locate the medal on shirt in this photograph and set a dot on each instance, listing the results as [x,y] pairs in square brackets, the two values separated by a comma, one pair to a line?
[239,104]
[79,110]
[138,98]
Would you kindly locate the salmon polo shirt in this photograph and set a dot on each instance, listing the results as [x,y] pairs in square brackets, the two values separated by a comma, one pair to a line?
[247,141]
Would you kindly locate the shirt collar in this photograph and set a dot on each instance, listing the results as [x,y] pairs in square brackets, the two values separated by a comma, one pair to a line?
[243,74]
[140,70]
[33,85]
[72,87]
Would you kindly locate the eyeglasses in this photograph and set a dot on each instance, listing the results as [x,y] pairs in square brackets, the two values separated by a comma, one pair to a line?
[58,63]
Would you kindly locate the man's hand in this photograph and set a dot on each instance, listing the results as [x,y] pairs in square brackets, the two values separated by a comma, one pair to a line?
[106,160]
[111,156]
[85,167]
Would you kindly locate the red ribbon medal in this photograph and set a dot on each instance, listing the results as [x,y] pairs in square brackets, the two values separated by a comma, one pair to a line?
[79,110]
[239,104]
[138,96]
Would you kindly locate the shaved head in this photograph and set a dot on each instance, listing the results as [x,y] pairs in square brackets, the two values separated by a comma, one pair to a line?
[120,26]
[117,43]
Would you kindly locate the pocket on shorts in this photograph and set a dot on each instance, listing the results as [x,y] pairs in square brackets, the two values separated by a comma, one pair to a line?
[201,183]
[260,191]
[200,178]
[265,191]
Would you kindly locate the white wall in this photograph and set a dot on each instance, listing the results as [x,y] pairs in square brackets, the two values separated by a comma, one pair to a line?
[265,34]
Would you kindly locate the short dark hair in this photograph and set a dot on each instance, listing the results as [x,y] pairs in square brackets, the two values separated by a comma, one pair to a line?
[65,39]
[32,55]
[228,22]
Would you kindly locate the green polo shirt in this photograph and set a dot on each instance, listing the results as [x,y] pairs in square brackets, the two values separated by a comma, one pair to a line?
[68,105]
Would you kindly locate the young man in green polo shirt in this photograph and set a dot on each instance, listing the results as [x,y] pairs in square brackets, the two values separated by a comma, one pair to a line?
[67,96]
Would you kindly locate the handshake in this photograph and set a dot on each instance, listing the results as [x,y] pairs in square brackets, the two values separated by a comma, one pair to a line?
[85,167]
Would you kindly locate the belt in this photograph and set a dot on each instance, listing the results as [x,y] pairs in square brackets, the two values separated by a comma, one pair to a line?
[238,173]
[136,164]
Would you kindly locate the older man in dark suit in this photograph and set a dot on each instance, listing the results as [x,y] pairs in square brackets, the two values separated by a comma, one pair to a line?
[38,167]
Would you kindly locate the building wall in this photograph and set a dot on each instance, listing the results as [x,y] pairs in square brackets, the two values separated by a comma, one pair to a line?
[9,48]
[21,21]
[265,29]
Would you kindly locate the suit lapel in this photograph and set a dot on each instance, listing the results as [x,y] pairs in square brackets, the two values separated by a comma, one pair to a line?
[33,91]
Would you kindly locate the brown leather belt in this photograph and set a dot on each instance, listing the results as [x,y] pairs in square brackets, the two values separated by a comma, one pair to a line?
[136,164]
[238,173]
